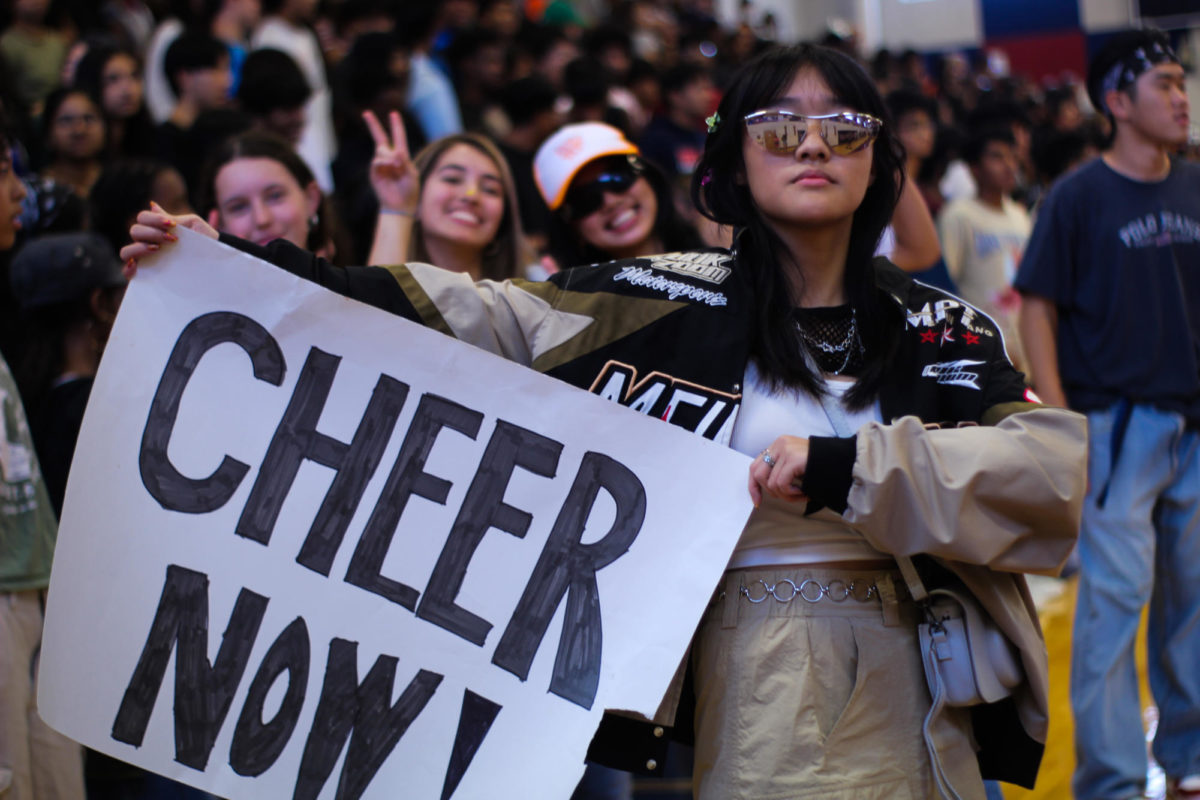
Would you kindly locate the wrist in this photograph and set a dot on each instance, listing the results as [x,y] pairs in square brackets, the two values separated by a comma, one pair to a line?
[399,212]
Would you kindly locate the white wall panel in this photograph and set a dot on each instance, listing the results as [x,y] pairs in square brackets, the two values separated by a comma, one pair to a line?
[896,24]
[929,24]
[1096,16]
[797,20]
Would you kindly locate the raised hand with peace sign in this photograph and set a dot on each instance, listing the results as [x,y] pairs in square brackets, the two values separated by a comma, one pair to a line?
[397,185]
[394,177]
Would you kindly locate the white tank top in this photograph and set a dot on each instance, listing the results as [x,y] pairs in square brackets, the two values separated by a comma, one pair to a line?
[778,532]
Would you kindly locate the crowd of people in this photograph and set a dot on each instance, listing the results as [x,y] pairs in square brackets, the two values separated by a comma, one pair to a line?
[514,139]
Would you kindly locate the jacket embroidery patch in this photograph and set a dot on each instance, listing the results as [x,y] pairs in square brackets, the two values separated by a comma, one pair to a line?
[642,276]
[691,406]
[711,267]
[954,373]
[943,311]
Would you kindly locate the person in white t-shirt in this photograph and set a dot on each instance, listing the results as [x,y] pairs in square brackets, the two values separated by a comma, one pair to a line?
[983,235]
[285,27]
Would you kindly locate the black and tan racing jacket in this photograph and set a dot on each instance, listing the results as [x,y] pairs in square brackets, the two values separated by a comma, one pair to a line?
[994,492]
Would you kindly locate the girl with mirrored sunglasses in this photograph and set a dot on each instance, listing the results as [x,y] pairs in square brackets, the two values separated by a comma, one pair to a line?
[882,418]
[802,689]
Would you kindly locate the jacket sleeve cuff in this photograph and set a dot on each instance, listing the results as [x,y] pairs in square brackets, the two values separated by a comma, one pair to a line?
[830,470]
[253,249]
[279,252]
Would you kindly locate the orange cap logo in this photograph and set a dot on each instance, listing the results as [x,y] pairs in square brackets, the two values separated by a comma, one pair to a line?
[570,147]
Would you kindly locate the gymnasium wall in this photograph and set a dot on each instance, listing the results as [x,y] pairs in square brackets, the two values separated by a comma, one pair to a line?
[1042,38]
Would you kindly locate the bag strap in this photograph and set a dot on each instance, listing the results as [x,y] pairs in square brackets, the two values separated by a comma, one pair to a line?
[836,415]
[938,689]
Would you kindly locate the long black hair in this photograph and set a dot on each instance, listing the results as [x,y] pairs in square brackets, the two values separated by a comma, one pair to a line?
[721,193]
[674,232]
[138,137]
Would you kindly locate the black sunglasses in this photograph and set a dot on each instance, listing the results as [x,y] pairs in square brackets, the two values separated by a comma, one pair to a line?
[586,198]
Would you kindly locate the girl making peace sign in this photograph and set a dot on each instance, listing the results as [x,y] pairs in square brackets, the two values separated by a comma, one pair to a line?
[454,205]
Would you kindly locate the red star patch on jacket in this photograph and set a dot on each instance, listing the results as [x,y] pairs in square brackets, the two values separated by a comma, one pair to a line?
[928,337]
[971,338]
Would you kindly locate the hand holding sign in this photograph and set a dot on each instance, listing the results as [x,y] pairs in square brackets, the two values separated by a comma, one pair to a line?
[153,229]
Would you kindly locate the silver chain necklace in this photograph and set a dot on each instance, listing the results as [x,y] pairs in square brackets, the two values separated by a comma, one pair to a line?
[851,338]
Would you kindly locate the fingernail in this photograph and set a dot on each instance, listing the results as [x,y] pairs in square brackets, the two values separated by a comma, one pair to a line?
[152,246]
[170,223]
[170,237]
[130,263]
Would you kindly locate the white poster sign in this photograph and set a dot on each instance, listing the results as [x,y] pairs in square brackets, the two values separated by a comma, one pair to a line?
[310,549]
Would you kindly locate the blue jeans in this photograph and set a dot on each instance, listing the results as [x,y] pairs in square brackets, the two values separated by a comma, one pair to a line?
[1142,546]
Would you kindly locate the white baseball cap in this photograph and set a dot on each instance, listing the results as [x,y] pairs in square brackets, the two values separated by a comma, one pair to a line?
[569,150]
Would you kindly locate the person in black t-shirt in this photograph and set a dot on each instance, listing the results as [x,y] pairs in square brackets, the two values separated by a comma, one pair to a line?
[1111,326]
[674,139]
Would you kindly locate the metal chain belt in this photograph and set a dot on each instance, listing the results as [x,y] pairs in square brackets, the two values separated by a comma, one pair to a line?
[810,591]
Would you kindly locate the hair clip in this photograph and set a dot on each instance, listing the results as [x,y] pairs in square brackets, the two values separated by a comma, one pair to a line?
[713,122]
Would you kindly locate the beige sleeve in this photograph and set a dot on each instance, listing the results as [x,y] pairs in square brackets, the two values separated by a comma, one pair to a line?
[1008,496]
[514,319]
[534,323]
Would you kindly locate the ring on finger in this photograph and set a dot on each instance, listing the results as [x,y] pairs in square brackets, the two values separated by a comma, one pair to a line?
[768,459]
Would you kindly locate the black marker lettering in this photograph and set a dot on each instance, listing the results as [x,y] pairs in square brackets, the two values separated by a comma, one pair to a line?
[408,477]
[361,712]
[256,744]
[474,721]
[203,691]
[165,484]
[296,439]
[567,566]
[484,508]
